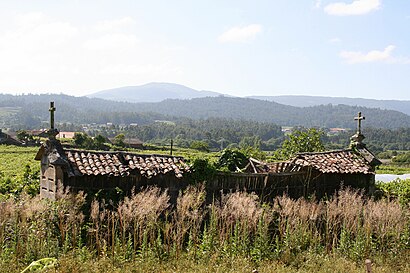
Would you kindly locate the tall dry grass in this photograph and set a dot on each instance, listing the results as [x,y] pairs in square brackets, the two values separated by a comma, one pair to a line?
[31,228]
[145,225]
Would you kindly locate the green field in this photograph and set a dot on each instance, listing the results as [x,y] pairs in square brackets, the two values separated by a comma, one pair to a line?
[8,111]
[19,172]
[393,169]
[14,160]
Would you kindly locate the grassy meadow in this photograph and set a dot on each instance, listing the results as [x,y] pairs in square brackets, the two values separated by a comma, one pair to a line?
[145,233]
[393,169]
[19,172]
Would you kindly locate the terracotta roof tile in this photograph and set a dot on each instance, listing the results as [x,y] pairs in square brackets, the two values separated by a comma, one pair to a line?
[344,161]
[123,164]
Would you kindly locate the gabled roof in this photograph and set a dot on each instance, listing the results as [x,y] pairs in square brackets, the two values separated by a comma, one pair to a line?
[8,139]
[123,164]
[341,161]
[118,163]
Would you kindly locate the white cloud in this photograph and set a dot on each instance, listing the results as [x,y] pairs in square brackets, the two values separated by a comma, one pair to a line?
[146,70]
[318,4]
[357,7]
[240,34]
[111,41]
[37,31]
[355,57]
[334,40]
[32,42]
[115,25]
[40,53]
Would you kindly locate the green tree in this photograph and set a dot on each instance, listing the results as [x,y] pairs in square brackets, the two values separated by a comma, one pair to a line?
[402,158]
[299,141]
[99,141]
[203,170]
[200,145]
[250,141]
[80,139]
[232,160]
[119,140]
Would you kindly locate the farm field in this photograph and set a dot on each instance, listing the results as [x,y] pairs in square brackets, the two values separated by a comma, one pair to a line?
[19,172]
[393,169]
[7,112]
[14,160]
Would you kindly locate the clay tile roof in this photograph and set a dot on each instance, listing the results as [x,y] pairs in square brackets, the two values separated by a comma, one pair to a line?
[343,161]
[123,164]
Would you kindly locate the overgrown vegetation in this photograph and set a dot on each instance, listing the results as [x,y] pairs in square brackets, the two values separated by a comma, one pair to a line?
[146,229]
[402,158]
[397,189]
[19,172]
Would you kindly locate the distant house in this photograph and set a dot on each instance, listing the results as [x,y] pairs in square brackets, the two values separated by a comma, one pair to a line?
[134,143]
[66,135]
[130,143]
[336,131]
[8,139]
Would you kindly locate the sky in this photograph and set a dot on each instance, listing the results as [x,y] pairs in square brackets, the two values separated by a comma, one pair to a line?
[339,48]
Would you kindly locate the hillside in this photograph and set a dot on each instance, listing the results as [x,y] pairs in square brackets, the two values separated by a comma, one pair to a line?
[258,110]
[304,101]
[26,111]
[157,92]
[152,92]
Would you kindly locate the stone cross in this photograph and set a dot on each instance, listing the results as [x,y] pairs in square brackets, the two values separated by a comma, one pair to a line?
[52,110]
[359,119]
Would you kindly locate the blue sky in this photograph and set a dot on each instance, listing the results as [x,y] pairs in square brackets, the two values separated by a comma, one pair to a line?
[324,48]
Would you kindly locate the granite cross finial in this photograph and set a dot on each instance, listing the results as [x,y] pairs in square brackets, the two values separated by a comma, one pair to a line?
[52,132]
[52,110]
[359,119]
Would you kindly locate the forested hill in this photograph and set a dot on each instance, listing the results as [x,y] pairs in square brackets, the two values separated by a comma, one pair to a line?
[30,110]
[303,101]
[266,111]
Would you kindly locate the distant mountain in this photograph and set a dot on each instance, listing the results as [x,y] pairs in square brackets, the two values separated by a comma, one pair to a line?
[304,101]
[152,92]
[157,92]
[30,110]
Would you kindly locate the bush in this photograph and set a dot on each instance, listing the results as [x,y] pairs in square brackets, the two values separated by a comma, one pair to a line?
[202,170]
[402,158]
[200,146]
[397,189]
[232,160]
